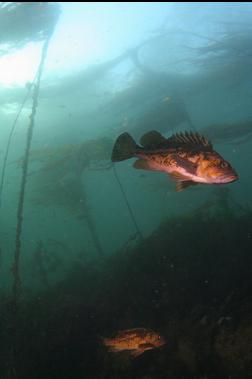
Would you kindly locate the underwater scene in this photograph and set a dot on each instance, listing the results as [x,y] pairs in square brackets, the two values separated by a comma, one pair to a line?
[125,190]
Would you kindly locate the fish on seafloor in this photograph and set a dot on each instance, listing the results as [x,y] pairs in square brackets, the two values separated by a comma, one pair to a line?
[189,158]
[134,341]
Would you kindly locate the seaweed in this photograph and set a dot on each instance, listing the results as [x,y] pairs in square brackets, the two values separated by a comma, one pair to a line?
[56,178]
[39,257]
[60,182]
[19,226]
[190,280]
[16,31]
[233,133]
[47,260]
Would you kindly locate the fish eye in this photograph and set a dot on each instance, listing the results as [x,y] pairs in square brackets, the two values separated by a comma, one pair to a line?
[224,164]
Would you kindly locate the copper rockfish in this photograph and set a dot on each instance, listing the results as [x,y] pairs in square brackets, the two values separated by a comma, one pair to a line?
[134,341]
[187,157]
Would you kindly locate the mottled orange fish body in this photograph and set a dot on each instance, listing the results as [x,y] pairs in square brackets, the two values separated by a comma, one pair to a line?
[187,157]
[135,341]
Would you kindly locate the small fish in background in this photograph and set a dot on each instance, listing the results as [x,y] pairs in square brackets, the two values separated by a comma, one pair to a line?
[134,341]
[187,157]
[166,99]
[125,122]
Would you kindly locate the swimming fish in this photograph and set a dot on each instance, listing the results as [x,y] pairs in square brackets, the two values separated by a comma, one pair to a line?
[134,341]
[187,157]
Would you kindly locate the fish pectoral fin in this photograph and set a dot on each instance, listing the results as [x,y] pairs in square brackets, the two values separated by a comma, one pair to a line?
[179,177]
[146,345]
[135,353]
[182,181]
[190,167]
[142,164]
[181,186]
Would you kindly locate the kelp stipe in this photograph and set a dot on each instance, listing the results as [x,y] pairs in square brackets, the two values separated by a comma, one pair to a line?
[10,138]
[15,267]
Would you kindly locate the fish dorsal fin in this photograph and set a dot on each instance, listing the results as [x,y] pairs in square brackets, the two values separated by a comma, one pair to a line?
[181,186]
[152,139]
[128,332]
[191,139]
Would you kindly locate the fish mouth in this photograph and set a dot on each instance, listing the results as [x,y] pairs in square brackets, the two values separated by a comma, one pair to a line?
[228,178]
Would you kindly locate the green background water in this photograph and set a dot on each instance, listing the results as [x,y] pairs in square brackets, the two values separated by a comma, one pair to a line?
[178,263]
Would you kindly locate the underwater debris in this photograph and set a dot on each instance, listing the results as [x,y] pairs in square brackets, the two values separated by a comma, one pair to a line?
[134,341]
[188,158]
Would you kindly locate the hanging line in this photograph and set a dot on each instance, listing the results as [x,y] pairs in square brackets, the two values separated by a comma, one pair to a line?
[190,123]
[16,264]
[10,138]
[127,203]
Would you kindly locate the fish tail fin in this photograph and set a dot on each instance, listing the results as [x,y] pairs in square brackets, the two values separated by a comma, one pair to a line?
[105,341]
[124,148]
